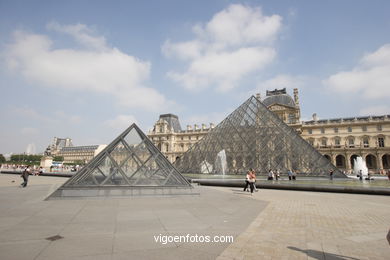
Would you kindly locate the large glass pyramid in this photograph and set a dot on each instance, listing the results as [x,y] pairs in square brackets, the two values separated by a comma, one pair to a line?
[254,137]
[130,164]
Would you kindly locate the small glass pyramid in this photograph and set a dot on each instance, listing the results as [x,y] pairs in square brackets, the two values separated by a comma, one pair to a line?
[254,137]
[130,161]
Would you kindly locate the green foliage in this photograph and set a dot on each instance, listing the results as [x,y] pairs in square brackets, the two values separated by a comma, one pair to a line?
[78,162]
[58,158]
[26,159]
[2,158]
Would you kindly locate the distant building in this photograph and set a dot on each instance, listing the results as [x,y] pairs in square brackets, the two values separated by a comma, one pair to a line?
[172,141]
[340,140]
[57,144]
[80,154]
[72,154]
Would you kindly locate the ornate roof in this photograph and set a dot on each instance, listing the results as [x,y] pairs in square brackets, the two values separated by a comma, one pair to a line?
[282,99]
[172,120]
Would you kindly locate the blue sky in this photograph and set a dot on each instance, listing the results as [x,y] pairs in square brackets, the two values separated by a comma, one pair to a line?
[88,69]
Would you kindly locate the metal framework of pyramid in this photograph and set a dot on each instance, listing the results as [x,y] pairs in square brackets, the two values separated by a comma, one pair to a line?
[130,165]
[252,136]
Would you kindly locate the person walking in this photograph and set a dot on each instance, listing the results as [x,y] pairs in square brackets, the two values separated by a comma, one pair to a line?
[25,174]
[277,175]
[270,175]
[247,180]
[252,179]
[254,183]
[289,173]
[294,175]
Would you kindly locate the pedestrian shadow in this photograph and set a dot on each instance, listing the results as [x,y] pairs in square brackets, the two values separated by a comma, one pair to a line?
[322,255]
[241,191]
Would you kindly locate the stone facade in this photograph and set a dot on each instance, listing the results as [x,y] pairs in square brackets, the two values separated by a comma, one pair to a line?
[80,154]
[58,143]
[340,140]
[72,154]
[174,143]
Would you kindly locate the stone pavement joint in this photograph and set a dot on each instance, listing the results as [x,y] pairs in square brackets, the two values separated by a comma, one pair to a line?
[271,224]
[305,225]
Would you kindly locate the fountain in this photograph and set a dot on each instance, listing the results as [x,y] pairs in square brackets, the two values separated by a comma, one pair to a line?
[360,168]
[220,162]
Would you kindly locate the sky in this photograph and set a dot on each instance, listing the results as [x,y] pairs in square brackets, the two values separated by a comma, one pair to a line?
[88,69]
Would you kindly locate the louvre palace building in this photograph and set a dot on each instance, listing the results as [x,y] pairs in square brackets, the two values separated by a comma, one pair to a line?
[340,140]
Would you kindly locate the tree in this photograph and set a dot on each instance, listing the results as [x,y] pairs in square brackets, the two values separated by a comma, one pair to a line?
[2,158]
[26,159]
[58,158]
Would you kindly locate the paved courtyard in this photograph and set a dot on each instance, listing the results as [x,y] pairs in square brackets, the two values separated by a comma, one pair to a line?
[271,224]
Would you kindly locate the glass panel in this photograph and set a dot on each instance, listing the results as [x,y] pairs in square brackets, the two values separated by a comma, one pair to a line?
[111,171]
[130,167]
[98,175]
[142,152]
[132,138]
[120,153]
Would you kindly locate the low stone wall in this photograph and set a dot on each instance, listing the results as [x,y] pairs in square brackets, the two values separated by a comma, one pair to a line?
[292,186]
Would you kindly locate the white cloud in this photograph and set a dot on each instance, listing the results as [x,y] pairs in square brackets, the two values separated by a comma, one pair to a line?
[236,42]
[370,78]
[239,25]
[121,122]
[278,82]
[81,33]
[97,68]
[224,69]
[375,110]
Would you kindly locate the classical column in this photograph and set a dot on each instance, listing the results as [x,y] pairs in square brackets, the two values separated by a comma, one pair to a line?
[347,162]
[379,162]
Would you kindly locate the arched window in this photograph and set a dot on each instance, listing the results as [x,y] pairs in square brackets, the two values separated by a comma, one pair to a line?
[366,141]
[324,142]
[340,161]
[381,141]
[337,142]
[386,161]
[351,142]
[371,161]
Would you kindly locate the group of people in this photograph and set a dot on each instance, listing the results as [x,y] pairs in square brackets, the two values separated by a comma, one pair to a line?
[26,173]
[275,175]
[250,180]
